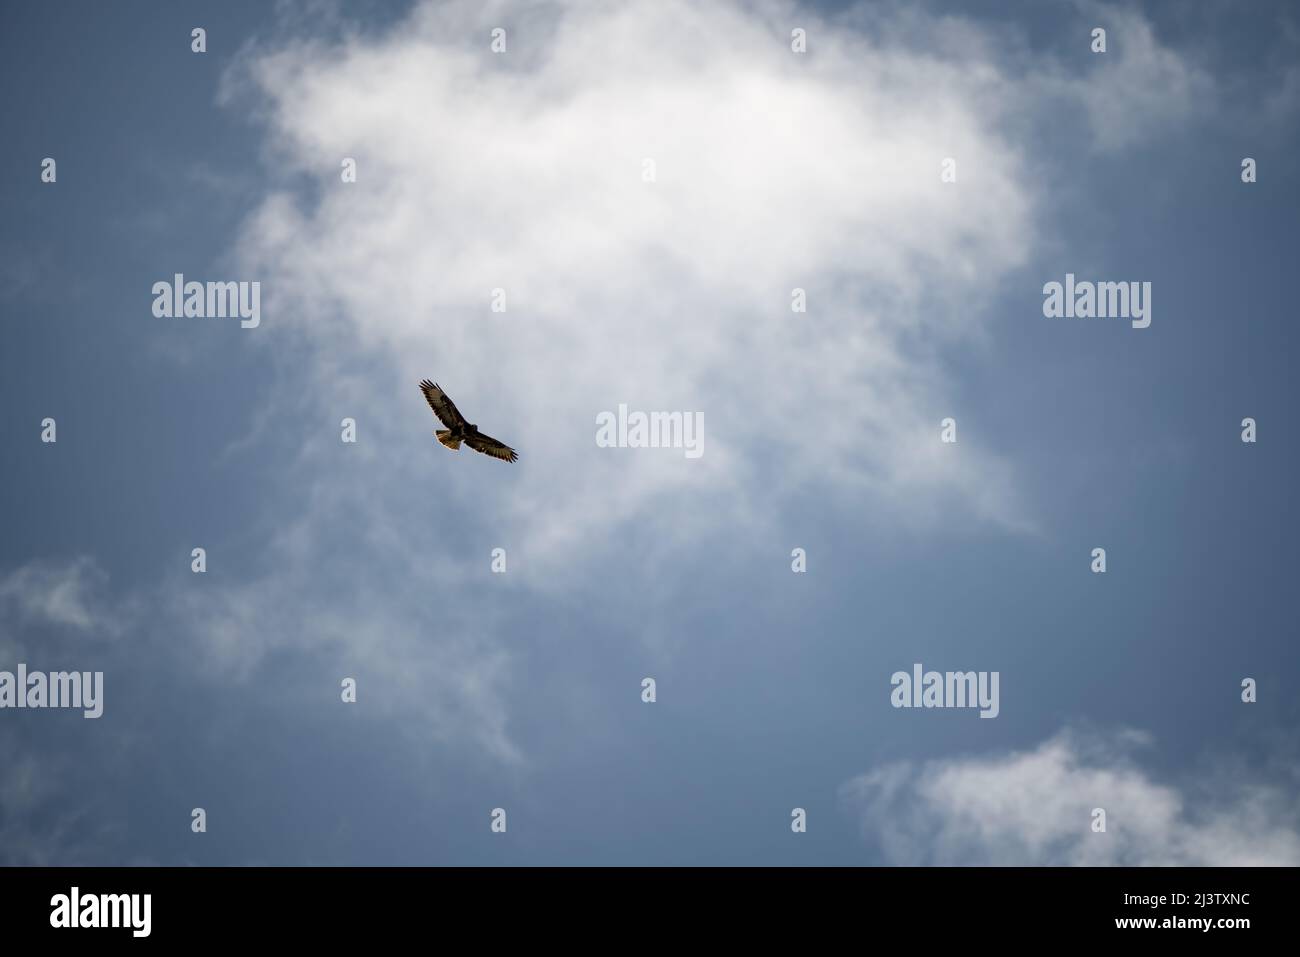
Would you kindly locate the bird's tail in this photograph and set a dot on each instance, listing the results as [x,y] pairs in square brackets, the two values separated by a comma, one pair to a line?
[444,438]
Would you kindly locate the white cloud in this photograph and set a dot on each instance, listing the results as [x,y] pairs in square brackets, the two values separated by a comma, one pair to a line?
[1034,808]
[524,171]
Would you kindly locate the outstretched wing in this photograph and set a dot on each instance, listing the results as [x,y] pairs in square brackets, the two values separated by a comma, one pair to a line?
[490,446]
[442,405]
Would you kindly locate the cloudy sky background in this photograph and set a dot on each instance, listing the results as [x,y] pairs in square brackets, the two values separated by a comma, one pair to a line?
[821,431]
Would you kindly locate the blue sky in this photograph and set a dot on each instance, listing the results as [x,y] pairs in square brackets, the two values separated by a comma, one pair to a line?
[524,171]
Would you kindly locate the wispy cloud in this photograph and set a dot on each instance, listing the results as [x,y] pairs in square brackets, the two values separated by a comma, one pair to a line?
[67,594]
[54,612]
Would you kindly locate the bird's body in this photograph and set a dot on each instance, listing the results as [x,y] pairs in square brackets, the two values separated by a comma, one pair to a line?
[459,429]
[453,437]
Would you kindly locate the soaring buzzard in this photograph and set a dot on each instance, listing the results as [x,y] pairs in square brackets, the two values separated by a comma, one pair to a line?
[458,430]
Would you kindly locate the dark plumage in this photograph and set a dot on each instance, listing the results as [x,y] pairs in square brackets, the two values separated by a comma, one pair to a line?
[458,429]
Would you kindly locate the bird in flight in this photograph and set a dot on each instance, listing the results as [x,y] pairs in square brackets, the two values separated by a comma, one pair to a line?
[458,430]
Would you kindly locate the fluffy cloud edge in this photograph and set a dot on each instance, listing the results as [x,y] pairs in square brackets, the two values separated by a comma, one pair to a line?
[1036,807]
